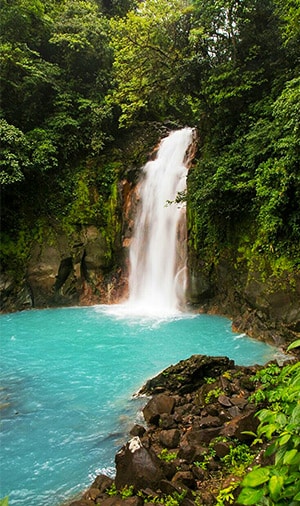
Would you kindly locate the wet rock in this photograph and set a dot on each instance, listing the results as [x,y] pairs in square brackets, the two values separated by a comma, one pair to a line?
[137,466]
[102,483]
[156,406]
[137,430]
[92,494]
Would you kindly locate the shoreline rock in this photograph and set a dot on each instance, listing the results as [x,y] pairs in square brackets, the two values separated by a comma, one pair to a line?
[199,411]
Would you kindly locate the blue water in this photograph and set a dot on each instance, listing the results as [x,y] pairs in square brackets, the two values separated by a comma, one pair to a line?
[67,382]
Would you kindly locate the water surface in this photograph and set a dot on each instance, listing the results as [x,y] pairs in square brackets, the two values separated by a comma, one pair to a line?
[67,382]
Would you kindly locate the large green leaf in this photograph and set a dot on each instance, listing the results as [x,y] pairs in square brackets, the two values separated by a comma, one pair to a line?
[250,496]
[256,477]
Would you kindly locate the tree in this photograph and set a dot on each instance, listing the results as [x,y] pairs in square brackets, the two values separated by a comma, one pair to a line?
[149,46]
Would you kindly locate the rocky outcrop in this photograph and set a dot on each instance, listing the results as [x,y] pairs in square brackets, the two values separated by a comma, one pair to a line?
[198,414]
[79,268]
[264,307]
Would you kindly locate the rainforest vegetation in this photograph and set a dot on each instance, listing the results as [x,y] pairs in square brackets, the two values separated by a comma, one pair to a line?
[80,79]
[78,76]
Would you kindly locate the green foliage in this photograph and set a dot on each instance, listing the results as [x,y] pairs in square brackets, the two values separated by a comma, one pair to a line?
[293,345]
[226,495]
[238,459]
[278,483]
[112,490]
[14,252]
[209,381]
[148,46]
[14,154]
[207,457]
[168,500]
[124,492]
[213,394]
[73,71]
[167,456]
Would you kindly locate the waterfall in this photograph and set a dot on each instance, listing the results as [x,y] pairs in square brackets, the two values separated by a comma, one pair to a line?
[158,250]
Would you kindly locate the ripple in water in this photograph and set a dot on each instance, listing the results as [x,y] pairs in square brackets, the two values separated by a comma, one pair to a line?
[67,382]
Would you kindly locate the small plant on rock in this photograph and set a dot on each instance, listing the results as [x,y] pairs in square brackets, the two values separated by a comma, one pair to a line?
[238,459]
[167,456]
[213,395]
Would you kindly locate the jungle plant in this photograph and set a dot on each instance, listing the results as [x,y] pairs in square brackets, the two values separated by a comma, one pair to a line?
[225,495]
[238,459]
[278,484]
[207,457]
[167,500]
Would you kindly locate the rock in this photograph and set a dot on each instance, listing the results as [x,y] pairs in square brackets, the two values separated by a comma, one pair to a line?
[81,502]
[245,422]
[156,406]
[234,411]
[222,448]
[102,482]
[239,401]
[137,430]
[224,401]
[187,452]
[169,438]
[197,437]
[168,421]
[137,466]
[112,501]
[119,501]
[169,488]
[92,494]
[188,375]
[209,421]
[185,478]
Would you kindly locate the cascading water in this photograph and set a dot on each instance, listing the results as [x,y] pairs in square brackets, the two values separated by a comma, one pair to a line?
[158,250]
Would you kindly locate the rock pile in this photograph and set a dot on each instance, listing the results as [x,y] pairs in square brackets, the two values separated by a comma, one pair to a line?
[198,411]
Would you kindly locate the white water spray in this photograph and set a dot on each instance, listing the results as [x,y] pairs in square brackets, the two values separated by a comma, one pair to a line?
[158,251]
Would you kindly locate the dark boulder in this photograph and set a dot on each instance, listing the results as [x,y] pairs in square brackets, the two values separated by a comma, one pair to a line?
[236,427]
[137,466]
[157,406]
[169,438]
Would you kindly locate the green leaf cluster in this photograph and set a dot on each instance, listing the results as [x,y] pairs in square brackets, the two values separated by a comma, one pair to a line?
[278,483]
[79,77]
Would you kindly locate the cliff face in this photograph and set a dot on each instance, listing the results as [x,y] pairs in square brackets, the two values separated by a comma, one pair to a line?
[66,270]
[88,268]
[264,307]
